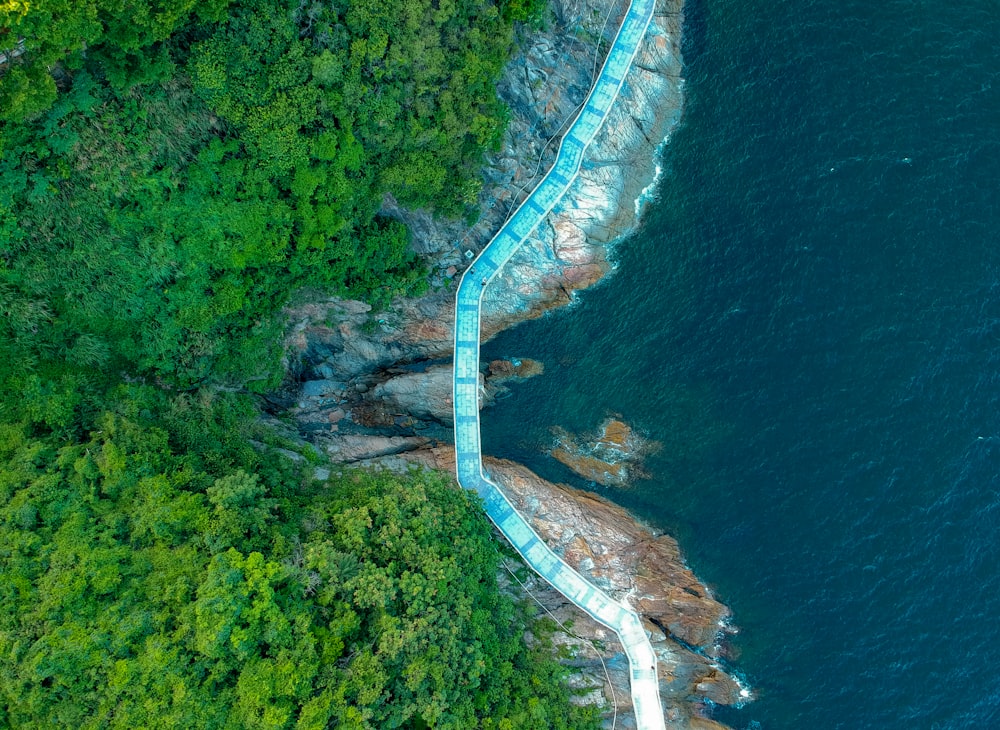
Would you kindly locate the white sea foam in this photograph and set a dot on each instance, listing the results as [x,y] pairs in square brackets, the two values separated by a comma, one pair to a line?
[648,193]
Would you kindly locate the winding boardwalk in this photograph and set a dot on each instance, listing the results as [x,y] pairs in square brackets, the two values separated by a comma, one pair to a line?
[468,454]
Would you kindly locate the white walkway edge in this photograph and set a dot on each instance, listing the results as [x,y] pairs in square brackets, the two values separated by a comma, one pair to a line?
[645,687]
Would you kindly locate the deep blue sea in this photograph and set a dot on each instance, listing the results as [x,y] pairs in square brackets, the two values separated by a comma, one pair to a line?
[809,320]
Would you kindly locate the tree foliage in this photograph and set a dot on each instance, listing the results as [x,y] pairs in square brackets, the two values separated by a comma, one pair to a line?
[57,33]
[147,585]
[202,161]
[170,171]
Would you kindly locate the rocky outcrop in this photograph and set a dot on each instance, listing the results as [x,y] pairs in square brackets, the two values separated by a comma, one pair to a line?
[355,417]
[544,86]
[636,565]
[611,456]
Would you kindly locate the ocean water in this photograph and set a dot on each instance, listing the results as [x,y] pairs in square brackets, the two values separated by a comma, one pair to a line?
[808,319]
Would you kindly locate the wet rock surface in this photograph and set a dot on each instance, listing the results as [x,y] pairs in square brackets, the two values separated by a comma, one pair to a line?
[611,456]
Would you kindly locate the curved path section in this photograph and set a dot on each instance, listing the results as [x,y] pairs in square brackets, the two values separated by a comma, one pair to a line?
[468,454]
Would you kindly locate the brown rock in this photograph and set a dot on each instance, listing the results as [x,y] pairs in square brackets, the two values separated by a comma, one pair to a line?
[629,558]
[635,564]
[501,368]
[571,245]
[583,277]
[371,414]
[592,468]
[501,371]
[615,434]
[436,332]
[719,688]
[441,458]
[704,723]
[578,552]
[611,456]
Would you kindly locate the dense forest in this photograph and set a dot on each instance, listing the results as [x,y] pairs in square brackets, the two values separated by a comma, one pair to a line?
[171,173]
[161,573]
[168,180]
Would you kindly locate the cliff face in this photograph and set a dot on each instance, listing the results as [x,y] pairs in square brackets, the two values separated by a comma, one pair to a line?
[375,387]
[544,86]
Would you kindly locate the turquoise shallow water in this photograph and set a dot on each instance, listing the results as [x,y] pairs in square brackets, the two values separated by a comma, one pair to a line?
[809,320]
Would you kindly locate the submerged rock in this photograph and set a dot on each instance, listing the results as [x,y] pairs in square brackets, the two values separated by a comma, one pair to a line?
[612,456]
[514,369]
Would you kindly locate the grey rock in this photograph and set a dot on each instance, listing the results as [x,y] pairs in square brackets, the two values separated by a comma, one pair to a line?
[319,388]
[324,371]
[350,448]
[425,395]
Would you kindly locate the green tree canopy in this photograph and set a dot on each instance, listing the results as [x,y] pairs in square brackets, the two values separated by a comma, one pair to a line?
[53,33]
[200,162]
[170,172]
[148,585]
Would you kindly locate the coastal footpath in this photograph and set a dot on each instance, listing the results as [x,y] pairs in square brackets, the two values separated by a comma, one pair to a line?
[375,386]
[616,615]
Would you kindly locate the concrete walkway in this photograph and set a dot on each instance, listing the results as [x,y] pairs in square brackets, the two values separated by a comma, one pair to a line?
[468,454]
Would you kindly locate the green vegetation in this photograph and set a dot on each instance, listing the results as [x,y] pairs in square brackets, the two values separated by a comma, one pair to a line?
[170,172]
[156,214]
[159,573]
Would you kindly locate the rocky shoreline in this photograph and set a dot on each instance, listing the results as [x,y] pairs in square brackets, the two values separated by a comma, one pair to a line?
[374,388]
[346,356]
[634,564]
